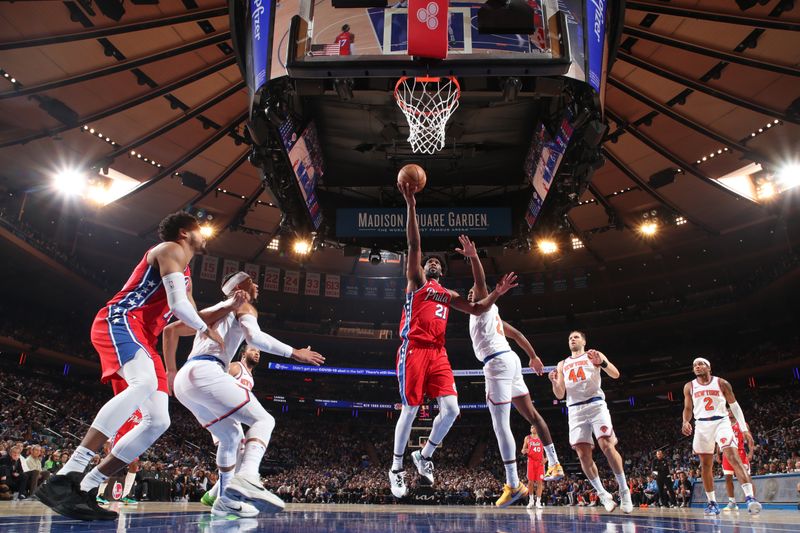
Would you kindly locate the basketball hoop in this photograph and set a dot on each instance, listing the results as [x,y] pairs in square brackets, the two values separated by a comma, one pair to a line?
[427,104]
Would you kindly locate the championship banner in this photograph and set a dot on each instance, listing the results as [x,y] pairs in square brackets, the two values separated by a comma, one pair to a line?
[391,289]
[312,284]
[351,286]
[370,288]
[208,268]
[433,221]
[252,270]
[291,281]
[229,266]
[271,278]
[332,285]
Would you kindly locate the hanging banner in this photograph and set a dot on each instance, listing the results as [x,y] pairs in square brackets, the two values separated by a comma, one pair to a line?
[433,221]
[208,268]
[291,281]
[351,286]
[391,289]
[596,18]
[253,271]
[369,288]
[332,285]
[271,278]
[312,284]
[229,266]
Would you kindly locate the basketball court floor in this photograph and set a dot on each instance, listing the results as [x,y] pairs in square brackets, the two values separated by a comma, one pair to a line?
[24,517]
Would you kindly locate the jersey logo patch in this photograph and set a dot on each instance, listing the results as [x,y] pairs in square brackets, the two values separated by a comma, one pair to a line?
[723,440]
[603,429]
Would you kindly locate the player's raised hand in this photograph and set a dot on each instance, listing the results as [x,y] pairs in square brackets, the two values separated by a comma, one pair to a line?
[238,299]
[408,190]
[553,376]
[467,247]
[686,429]
[506,283]
[307,355]
[536,365]
[595,357]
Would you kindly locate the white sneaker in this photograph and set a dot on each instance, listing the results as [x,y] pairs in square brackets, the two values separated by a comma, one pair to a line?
[626,504]
[223,506]
[539,504]
[424,466]
[608,501]
[244,489]
[530,505]
[397,483]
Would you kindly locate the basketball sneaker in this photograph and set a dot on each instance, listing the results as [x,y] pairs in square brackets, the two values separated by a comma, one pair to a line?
[397,483]
[731,506]
[127,500]
[511,494]
[82,505]
[424,466]
[752,505]
[711,509]
[245,489]
[208,499]
[101,500]
[224,506]
[625,503]
[57,488]
[554,472]
[531,504]
[608,501]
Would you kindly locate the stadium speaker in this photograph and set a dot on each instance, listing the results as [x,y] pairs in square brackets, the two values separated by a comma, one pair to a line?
[193,181]
[375,256]
[360,3]
[662,178]
[506,17]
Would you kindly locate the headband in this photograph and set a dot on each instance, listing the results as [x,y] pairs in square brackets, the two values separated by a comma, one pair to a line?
[702,360]
[229,286]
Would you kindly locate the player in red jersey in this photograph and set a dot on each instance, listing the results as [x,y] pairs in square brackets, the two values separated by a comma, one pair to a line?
[742,438]
[345,40]
[125,333]
[533,448]
[422,364]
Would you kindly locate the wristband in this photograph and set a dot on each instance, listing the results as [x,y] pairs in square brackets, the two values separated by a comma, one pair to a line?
[604,364]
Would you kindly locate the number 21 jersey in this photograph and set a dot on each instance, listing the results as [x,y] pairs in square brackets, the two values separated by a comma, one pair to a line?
[425,314]
[582,379]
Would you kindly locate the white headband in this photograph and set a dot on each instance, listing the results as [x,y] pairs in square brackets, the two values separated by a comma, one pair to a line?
[702,360]
[229,286]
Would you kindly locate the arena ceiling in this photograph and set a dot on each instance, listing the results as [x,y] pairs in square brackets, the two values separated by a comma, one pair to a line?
[705,87]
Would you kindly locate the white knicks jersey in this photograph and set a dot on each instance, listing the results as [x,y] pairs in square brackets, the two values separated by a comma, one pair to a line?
[487,334]
[231,332]
[708,399]
[245,378]
[582,379]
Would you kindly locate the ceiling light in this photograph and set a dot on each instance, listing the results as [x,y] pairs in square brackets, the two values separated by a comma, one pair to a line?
[577,244]
[547,246]
[789,175]
[765,191]
[648,229]
[207,230]
[302,247]
[274,243]
[70,182]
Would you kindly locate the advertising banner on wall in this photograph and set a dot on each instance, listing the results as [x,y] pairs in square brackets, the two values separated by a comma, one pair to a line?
[433,221]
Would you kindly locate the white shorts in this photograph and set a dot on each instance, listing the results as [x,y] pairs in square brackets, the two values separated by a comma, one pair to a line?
[587,419]
[504,379]
[209,392]
[746,467]
[707,433]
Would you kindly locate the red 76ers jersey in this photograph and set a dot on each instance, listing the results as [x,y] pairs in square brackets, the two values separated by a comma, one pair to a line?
[425,314]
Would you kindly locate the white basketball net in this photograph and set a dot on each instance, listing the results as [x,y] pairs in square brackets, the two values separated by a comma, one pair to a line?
[427,104]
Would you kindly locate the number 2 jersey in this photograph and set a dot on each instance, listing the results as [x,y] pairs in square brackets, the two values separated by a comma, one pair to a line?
[582,379]
[425,314]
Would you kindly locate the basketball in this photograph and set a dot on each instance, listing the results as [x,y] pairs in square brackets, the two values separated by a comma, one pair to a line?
[413,174]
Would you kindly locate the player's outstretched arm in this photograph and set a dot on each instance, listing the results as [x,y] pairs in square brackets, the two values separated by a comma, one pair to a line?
[557,380]
[414,274]
[736,409]
[598,358]
[247,317]
[686,427]
[468,250]
[514,334]
[507,282]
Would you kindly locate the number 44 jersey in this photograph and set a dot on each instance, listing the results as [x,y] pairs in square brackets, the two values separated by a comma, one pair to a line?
[582,379]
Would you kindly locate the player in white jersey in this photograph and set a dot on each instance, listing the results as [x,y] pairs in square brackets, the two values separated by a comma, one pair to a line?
[242,372]
[705,398]
[221,404]
[578,376]
[504,384]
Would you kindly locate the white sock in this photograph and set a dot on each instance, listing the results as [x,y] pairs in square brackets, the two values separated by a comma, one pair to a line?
[598,486]
[78,461]
[731,499]
[93,479]
[253,453]
[711,497]
[623,484]
[550,452]
[224,479]
[214,491]
[512,477]
[102,489]
[747,488]
[130,478]
[428,449]
[397,463]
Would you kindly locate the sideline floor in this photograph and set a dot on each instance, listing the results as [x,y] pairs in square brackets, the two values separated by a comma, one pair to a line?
[24,517]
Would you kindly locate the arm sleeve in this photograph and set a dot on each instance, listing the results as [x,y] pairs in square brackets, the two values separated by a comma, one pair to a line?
[179,304]
[737,412]
[261,340]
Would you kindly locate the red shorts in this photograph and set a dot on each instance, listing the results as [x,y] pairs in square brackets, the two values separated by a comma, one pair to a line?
[424,371]
[535,471]
[117,339]
[727,468]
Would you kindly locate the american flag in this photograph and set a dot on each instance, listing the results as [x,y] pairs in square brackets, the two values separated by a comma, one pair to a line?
[324,49]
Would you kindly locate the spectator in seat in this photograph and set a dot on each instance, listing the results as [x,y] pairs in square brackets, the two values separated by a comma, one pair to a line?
[10,473]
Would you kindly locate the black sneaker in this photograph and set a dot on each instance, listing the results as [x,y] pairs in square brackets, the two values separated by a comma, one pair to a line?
[83,506]
[58,488]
